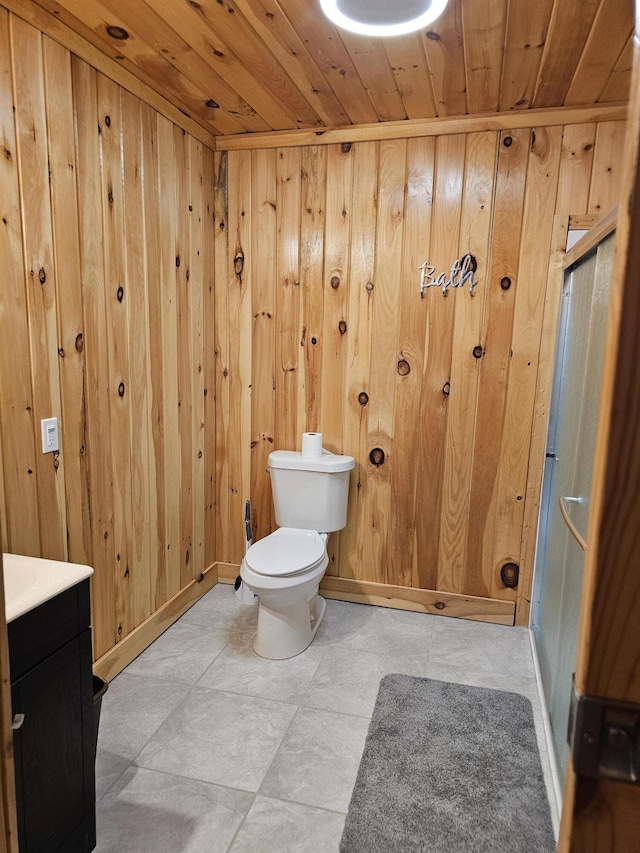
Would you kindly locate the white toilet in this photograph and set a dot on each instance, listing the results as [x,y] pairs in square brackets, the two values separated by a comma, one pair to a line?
[285,568]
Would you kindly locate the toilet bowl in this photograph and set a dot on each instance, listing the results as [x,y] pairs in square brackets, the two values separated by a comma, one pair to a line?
[284,570]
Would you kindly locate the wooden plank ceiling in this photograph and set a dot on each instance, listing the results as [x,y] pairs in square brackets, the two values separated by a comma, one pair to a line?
[238,66]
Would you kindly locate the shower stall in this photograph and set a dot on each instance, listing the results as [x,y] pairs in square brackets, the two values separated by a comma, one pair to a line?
[564,506]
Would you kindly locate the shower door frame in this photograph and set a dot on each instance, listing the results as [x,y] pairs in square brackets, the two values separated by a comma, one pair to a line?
[582,250]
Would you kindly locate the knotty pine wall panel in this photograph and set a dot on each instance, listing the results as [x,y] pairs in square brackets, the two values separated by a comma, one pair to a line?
[339,340]
[183,313]
[106,307]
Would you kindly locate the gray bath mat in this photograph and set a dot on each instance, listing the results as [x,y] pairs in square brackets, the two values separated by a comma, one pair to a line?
[448,769]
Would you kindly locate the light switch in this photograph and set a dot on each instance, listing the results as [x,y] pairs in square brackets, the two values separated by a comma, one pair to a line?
[49,428]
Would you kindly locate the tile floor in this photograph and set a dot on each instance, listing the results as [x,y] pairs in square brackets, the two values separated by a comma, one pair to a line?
[204,746]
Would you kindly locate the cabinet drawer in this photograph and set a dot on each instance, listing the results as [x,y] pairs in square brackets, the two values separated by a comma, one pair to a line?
[45,629]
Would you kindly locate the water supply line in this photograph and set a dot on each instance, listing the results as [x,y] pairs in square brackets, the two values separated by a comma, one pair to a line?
[247,526]
[242,592]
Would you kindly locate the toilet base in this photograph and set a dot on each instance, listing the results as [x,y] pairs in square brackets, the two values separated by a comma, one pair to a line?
[286,632]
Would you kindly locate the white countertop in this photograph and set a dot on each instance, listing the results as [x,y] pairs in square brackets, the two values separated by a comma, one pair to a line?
[30,581]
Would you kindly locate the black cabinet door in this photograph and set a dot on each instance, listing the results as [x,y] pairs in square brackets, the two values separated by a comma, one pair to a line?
[55,777]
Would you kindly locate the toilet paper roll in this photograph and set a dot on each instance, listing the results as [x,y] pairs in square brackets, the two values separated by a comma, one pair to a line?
[311,445]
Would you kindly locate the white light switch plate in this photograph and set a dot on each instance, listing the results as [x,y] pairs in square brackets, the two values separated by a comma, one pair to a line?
[49,428]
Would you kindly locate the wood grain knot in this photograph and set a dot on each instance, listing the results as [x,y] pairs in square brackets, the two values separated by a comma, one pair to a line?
[177,260]
[342,327]
[473,264]
[363,398]
[369,286]
[199,577]
[213,105]
[120,294]
[376,457]
[446,389]
[439,605]
[505,282]
[121,389]
[107,121]
[507,142]
[238,262]
[314,341]
[118,33]
[509,574]
[477,351]
[433,36]
[404,368]
[335,282]
[61,352]
[345,147]
[42,275]
[79,343]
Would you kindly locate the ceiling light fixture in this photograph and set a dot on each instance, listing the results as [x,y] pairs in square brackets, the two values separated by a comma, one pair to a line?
[382,17]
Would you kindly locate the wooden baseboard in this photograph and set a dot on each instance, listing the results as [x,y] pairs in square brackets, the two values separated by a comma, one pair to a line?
[115,660]
[404,598]
[421,600]
[227,572]
[342,589]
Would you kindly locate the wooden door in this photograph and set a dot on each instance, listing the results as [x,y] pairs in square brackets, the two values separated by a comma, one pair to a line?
[600,815]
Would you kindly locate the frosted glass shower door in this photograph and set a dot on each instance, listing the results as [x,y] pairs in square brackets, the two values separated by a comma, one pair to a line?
[567,480]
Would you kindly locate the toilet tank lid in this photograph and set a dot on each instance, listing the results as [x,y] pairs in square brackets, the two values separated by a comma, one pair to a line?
[328,463]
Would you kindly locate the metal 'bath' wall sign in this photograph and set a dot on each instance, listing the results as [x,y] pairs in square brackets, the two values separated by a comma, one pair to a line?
[462,272]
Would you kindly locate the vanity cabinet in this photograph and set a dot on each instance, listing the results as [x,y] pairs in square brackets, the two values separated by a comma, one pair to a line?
[53,738]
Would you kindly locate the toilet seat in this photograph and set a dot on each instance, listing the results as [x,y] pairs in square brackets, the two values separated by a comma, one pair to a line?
[286,552]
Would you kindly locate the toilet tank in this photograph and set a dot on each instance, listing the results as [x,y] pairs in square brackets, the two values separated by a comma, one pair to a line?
[310,493]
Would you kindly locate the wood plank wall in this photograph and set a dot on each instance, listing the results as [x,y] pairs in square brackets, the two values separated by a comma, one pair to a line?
[105,312]
[183,313]
[322,328]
